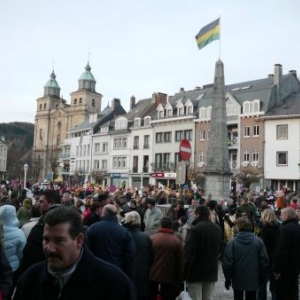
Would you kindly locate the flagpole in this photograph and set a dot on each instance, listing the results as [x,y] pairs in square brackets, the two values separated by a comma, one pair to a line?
[220,38]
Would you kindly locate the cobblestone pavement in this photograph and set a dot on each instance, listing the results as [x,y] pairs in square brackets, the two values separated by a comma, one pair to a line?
[220,293]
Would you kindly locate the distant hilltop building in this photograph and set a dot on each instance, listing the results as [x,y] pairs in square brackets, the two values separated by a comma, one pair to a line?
[55,117]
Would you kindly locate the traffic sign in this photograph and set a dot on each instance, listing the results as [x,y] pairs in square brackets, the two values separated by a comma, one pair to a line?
[185,149]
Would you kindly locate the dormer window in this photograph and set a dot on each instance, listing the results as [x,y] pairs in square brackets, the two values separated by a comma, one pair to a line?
[160,114]
[251,107]
[169,112]
[189,109]
[137,122]
[180,111]
[147,121]
[121,124]
[246,108]
[205,113]
[255,106]
[104,129]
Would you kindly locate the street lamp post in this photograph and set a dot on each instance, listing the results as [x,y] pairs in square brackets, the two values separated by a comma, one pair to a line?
[25,175]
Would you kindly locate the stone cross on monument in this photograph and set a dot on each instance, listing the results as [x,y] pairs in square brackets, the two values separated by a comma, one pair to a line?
[217,169]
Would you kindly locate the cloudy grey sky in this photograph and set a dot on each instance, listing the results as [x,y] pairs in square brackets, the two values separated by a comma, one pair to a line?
[137,46]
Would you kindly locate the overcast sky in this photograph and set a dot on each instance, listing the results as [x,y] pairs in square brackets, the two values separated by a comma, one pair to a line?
[137,47]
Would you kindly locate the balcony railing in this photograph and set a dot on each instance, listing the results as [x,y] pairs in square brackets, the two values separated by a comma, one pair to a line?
[64,155]
[169,166]
[135,146]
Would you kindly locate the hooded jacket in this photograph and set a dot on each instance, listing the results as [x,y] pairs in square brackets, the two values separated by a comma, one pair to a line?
[14,238]
[245,261]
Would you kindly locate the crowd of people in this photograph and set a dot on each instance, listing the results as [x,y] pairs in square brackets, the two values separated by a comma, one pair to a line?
[67,243]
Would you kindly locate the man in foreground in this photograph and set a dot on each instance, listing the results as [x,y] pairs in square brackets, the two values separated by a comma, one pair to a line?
[201,253]
[287,257]
[71,271]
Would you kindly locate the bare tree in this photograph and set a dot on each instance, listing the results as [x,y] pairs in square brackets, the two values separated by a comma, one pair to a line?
[248,175]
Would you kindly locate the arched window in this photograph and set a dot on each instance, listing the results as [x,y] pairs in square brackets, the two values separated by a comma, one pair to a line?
[58,140]
[41,106]
[80,100]
[75,101]
[208,112]
[59,124]
[202,113]
[45,105]
[256,107]
[93,102]
[246,107]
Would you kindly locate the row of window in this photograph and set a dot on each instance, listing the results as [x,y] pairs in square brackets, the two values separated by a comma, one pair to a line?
[162,159]
[136,142]
[82,165]
[281,131]
[100,164]
[83,150]
[249,107]
[255,132]
[100,148]
[255,155]
[166,137]
[181,111]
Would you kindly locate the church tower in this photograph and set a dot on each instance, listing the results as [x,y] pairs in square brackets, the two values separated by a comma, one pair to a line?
[54,118]
[43,133]
[85,100]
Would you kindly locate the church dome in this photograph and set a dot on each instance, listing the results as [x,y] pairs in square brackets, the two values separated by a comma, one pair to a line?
[87,75]
[51,88]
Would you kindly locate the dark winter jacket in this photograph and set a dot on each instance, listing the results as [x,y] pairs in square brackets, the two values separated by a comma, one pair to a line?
[287,257]
[143,260]
[109,241]
[270,236]
[33,251]
[92,279]
[201,252]
[167,265]
[6,276]
[245,261]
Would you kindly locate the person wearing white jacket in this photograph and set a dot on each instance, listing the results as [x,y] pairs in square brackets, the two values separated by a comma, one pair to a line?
[14,238]
[152,218]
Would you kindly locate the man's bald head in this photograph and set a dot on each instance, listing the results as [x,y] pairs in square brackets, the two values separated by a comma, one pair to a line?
[109,210]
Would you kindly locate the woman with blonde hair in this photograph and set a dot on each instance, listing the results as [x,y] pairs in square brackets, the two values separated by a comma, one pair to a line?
[269,234]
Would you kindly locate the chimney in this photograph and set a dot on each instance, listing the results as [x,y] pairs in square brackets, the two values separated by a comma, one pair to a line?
[293,72]
[132,102]
[271,75]
[181,90]
[115,102]
[159,98]
[278,82]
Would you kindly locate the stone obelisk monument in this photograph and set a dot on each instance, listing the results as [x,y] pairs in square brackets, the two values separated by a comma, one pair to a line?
[217,169]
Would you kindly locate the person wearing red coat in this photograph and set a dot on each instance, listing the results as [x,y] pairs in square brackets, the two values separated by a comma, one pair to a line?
[167,266]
